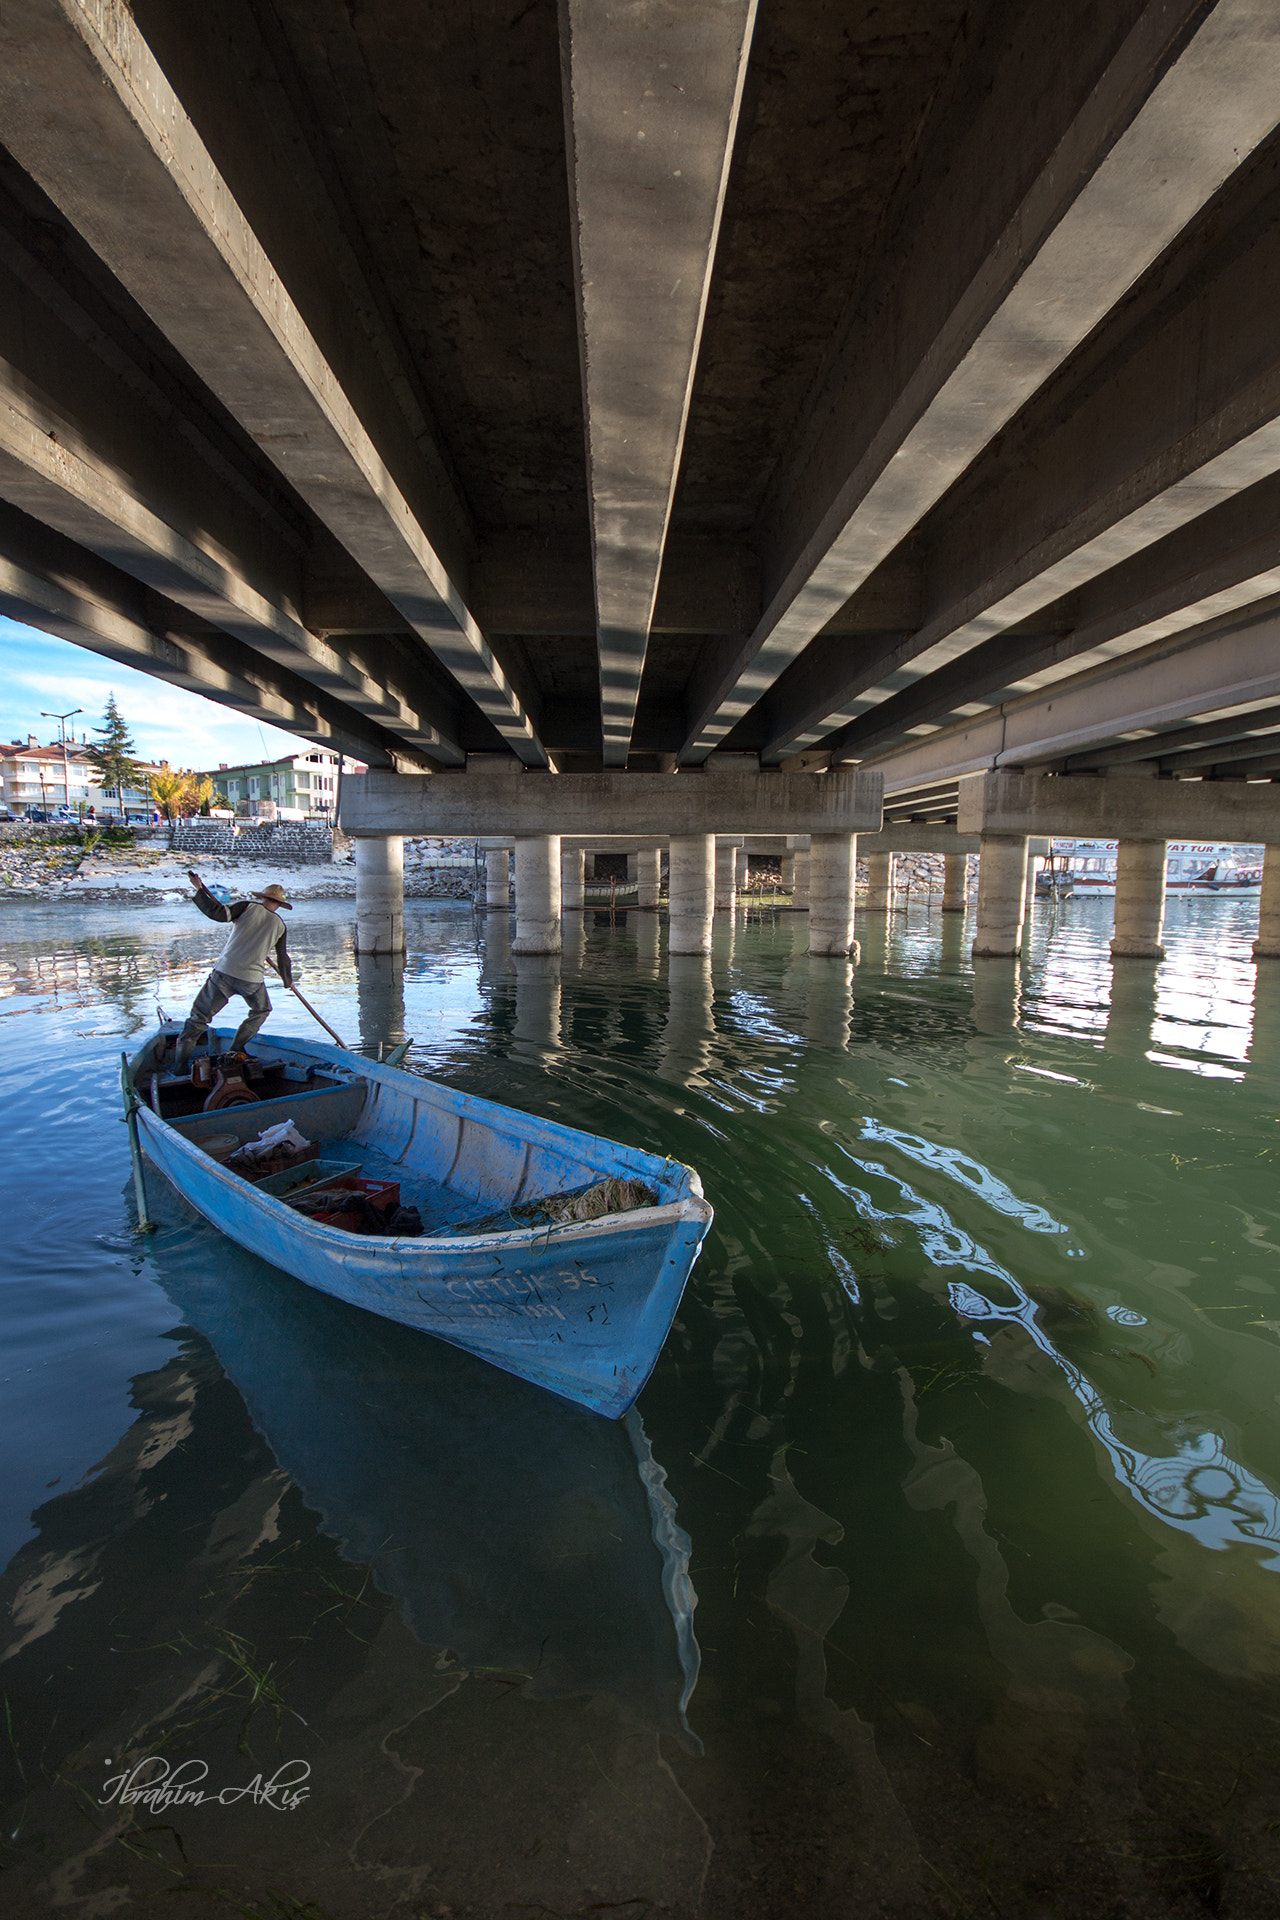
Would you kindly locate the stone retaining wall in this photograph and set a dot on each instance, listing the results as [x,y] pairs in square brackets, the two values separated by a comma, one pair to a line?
[292,843]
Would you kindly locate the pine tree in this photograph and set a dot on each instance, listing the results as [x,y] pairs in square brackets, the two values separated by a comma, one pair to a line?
[113,759]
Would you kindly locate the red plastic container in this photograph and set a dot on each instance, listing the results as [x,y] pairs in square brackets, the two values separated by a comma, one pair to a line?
[384,1195]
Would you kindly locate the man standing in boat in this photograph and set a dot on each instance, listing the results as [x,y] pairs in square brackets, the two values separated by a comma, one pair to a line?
[258,932]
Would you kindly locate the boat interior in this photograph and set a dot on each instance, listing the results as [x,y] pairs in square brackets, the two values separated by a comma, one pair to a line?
[491,1183]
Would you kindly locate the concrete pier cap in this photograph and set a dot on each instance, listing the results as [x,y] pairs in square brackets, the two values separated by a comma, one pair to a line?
[486,801]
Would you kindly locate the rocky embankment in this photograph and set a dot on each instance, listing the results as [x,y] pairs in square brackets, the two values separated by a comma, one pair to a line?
[57,865]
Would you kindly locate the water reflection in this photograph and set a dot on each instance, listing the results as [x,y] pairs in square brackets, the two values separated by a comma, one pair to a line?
[829,1002]
[380,990]
[1134,986]
[688,1037]
[536,1033]
[996,984]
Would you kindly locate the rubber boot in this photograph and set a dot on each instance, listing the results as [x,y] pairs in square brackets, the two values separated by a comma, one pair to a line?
[187,1044]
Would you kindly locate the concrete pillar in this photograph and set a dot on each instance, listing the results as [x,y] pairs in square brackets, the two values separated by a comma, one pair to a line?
[572,864]
[691,891]
[537,893]
[380,895]
[1002,886]
[648,876]
[1034,863]
[726,873]
[955,882]
[1140,868]
[497,880]
[380,1001]
[741,869]
[879,882]
[632,870]
[787,876]
[832,860]
[800,891]
[1267,944]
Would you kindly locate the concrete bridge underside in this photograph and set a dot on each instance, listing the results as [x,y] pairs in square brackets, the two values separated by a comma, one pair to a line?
[874,385]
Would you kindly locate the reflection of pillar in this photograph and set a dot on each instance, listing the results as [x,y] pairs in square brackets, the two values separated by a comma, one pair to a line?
[955,882]
[1267,944]
[380,999]
[787,873]
[879,882]
[1264,1041]
[686,1043]
[1002,882]
[648,929]
[1140,866]
[648,876]
[495,962]
[537,1023]
[952,938]
[1133,1008]
[1034,864]
[800,891]
[537,893]
[995,991]
[726,871]
[380,895]
[573,942]
[497,879]
[572,861]
[828,1003]
[832,859]
[690,891]
[873,942]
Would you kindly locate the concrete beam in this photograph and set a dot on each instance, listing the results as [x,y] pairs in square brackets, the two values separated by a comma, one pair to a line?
[1202,672]
[128,170]
[1121,807]
[530,584]
[652,95]
[1134,165]
[53,474]
[474,804]
[79,613]
[1240,729]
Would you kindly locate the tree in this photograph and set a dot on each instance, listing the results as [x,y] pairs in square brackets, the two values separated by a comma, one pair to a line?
[113,758]
[202,794]
[169,790]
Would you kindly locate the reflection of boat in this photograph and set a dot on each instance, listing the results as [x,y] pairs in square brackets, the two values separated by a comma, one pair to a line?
[580,1306]
[1199,868]
[519,1532]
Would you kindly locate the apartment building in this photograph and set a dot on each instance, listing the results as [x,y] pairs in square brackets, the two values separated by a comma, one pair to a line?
[295,786]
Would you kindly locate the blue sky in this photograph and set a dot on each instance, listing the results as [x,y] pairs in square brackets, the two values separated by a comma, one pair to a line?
[39,671]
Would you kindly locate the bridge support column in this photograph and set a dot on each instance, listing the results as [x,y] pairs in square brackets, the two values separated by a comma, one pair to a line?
[1033,864]
[1140,868]
[691,889]
[955,882]
[380,895]
[497,880]
[648,876]
[879,882]
[572,865]
[832,860]
[800,891]
[1002,887]
[741,869]
[726,877]
[537,893]
[1267,944]
[787,873]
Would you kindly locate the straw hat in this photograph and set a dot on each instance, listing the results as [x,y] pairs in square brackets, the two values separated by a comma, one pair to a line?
[274,896]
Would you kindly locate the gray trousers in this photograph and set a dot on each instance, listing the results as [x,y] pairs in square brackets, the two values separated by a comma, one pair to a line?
[213,997]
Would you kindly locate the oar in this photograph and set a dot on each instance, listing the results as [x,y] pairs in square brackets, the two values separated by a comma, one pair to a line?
[297,991]
[300,995]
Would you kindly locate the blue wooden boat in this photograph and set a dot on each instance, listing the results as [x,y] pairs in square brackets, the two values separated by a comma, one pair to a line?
[581,1307]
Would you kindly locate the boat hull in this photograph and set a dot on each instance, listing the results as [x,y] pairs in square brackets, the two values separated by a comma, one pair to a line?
[580,1309]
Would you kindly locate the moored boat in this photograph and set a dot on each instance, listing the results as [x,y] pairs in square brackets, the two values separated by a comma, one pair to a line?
[1193,868]
[493,1248]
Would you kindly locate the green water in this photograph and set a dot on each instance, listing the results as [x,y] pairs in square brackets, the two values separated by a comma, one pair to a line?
[938,1575]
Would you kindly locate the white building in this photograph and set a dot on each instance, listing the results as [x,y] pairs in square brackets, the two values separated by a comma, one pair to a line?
[32,778]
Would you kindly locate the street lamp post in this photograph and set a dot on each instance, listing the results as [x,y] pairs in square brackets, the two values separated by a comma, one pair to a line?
[62,719]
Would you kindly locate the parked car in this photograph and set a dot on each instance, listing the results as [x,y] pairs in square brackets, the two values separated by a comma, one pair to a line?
[6,815]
